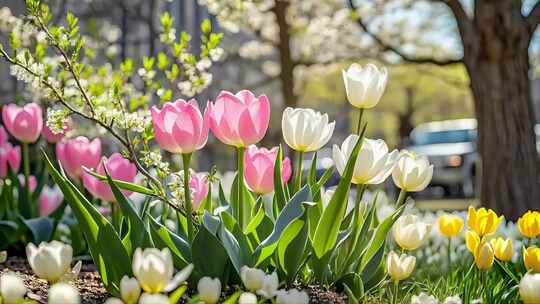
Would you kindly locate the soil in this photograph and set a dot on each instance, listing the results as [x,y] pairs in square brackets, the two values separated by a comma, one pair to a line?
[92,291]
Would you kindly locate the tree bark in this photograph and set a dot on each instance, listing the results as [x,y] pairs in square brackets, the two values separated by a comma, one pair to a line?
[497,60]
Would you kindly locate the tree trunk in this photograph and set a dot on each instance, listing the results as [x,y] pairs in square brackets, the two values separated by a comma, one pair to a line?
[496,57]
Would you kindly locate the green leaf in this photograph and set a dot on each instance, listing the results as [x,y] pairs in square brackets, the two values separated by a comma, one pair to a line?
[204,244]
[292,211]
[164,238]
[41,228]
[279,192]
[312,176]
[176,295]
[291,247]
[125,185]
[327,230]
[233,298]
[214,225]
[106,247]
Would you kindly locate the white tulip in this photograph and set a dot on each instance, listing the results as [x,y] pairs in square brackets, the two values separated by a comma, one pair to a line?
[373,165]
[529,288]
[412,172]
[114,301]
[64,293]
[364,86]
[270,286]
[12,288]
[153,268]
[292,296]
[252,278]
[209,290]
[306,130]
[453,300]
[153,298]
[50,261]
[130,290]
[424,298]
[410,232]
[399,267]
[247,298]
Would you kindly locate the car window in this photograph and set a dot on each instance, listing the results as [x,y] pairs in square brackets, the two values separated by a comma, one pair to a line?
[440,137]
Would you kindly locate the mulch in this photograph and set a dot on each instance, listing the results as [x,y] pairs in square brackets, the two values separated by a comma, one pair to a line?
[92,291]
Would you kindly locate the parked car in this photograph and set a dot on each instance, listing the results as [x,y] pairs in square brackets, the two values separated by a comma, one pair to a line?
[450,146]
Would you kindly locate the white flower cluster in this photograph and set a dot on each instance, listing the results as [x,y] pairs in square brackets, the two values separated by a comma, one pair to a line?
[154,159]
[424,298]
[266,286]
[56,119]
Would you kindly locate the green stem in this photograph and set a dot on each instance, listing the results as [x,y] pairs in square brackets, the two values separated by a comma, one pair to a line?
[186,158]
[298,178]
[359,121]
[401,198]
[240,186]
[26,172]
[396,290]
[356,215]
[449,252]
[115,216]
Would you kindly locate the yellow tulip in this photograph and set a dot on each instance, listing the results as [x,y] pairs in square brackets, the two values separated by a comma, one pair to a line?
[472,240]
[503,249]
[450,225]
[529,224]
[484,256]
[483,221]
[399,267]
[531,258]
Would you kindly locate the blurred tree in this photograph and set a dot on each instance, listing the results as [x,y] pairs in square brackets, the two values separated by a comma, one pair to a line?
[495,36]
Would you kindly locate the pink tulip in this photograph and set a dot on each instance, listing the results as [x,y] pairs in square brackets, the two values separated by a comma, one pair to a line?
[3,135]
[9,156]
[25,123]
[259,170]
[31,181]
[180,127]
[49,199]
[119,168]
[199,187]
[239,120]
[75,153]
[52,137]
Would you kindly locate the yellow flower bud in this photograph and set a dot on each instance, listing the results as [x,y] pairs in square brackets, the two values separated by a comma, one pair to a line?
[472,240]
[450,225]
[529,224]
[531,259]
[483,221]
[503,249]
[484,256]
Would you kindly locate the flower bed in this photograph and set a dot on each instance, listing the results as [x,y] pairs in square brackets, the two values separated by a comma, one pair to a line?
[276,235]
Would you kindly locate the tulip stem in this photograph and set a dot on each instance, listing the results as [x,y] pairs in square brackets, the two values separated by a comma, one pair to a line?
[401,198]
[396,290]
[449,252]
[298,178]
[26,172]
[186,158]
[240,187]
[359,121]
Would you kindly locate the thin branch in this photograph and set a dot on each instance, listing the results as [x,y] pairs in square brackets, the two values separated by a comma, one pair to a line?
[534,18]
[388,47]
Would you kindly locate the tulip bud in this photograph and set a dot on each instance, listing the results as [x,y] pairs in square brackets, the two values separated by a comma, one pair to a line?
[529,224]
[12,288]
[130,290]
[531,259]
[292,296]
[49,199]
[252,278]
[483,221]
[364,86]
[412,172]
[114,301]
[503,249]
[24,123]
[259,169]
[399,267]
[484,256]
[472,240]
[269,286]
[529,288]
[156,298]
[424,298]
[409,232]
[180,126]
[153,268]
[247,298]
[453,300]
[306,130]
[450,225]
[199,186]
[239,119]
[50,261]
[63,293]
[79,152]
[209,290]
[374,163]
[10,158]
